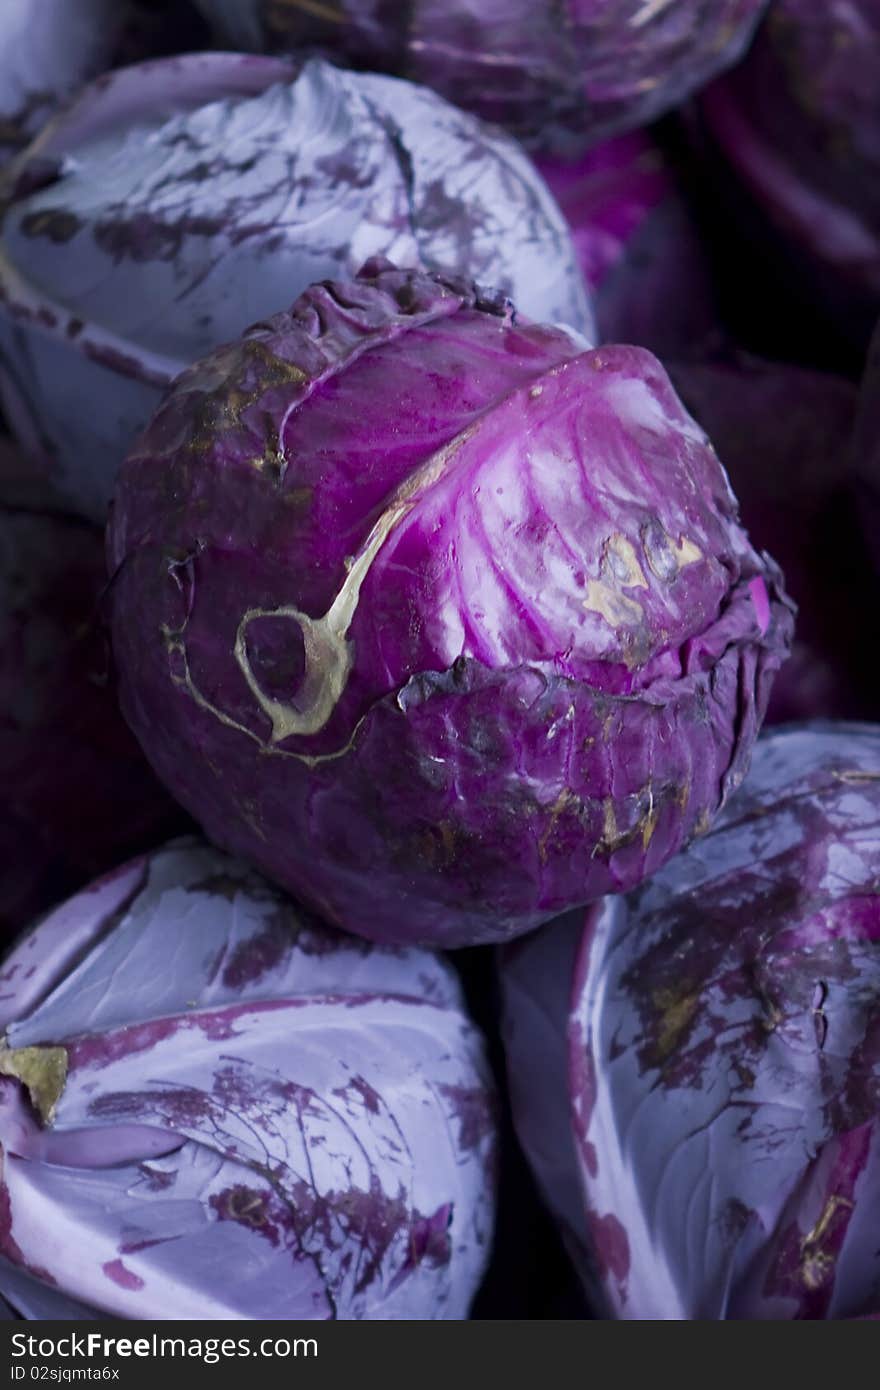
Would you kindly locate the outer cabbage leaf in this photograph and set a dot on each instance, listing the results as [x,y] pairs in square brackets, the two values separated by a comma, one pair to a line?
[695,1068]
[555,74]
[47,48]
[178,201]
[198,1078]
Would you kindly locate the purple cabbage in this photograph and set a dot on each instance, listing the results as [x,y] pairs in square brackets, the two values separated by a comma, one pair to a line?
[695,1068]
[178,201]
[799,123]
[555,74]
[77,794]
[211,1106]
[441,621]
[47,48]
[637,245]
[783,434]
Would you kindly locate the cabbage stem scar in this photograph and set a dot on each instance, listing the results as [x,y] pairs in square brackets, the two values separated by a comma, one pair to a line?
[42,1070]
[328,653]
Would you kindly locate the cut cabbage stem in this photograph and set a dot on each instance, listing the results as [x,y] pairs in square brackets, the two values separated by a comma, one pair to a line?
[41,1070]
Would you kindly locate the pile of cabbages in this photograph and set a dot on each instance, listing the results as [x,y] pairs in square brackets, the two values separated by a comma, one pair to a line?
[439,594]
